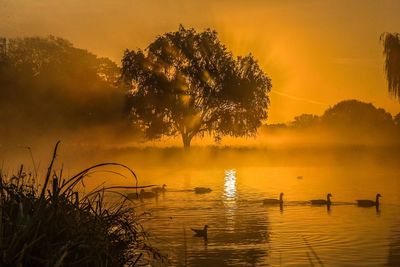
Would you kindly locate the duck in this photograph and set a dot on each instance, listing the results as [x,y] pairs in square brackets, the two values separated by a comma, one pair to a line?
[141,195]
[322,201]
[274,201]
[201,232]
[132,196]
[147,194]
[160,189]
[202,190]
[369,203]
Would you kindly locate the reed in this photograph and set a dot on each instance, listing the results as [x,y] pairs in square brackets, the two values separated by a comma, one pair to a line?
[54,225]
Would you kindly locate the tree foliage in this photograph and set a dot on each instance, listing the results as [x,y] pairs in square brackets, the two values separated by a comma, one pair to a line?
[391,51]
[47,84]
[187,83]
[355,114]
[347,122]
[305,121]
[397,120]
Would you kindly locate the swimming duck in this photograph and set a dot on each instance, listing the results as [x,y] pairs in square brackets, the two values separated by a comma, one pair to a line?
[201,232]
[133,196]
[160,189]
[202,190]
[322,201]
[369,203]
[141,195]
[274,201]
[146,194]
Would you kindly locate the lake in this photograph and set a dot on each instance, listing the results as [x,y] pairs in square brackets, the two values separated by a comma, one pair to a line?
[244,232]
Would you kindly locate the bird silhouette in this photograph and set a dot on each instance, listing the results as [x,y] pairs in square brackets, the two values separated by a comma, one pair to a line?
[143,194]
[160,189]
[369,203]
[202,190]
[322,201]
[274,201]
[201,232]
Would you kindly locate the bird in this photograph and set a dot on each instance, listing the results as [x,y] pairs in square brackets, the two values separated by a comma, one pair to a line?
[201,232]
[322,201]
[141,195]
[132,196]
[202,190]
[160,189]
[369,203]
[146,194]
[274,201]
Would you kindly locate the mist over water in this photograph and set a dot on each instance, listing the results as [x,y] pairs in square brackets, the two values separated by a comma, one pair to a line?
[243,231]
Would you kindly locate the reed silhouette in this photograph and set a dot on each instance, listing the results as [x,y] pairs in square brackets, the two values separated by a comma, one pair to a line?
[55,225]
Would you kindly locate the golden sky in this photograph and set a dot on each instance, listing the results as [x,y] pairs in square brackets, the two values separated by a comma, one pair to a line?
[317,52]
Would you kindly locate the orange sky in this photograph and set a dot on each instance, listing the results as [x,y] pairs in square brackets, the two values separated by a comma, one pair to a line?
[316,52]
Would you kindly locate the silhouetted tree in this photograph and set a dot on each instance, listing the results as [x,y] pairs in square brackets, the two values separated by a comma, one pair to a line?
[187,83]
[47,84]
[305,120]
[391,45]
[397,120]
[354,114]
[3,49]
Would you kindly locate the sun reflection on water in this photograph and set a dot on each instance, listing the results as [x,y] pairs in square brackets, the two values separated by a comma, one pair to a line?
[230,184]
[230,199]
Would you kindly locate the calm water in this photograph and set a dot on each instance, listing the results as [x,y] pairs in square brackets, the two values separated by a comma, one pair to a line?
[244,232]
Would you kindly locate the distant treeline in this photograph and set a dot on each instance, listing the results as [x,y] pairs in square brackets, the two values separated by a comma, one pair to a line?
[350,121]
[48,86]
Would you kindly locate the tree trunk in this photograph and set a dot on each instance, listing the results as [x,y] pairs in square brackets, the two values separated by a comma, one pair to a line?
[186,141]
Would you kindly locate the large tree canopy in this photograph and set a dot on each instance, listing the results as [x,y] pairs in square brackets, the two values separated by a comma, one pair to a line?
[391,50]
[187,83]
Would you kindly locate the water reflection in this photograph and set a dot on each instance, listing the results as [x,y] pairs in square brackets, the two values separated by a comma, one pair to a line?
[229,199]
[228,257]
[393,258]
[230,185]
[378,210]
[243,232]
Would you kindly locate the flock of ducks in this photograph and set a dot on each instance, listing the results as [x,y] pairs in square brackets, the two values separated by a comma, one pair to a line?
[143,194]
[320,202]
[268,201]
[327,201]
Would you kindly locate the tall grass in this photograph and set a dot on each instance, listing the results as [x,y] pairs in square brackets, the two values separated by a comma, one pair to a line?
[53,225]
